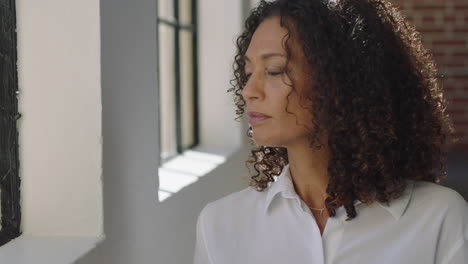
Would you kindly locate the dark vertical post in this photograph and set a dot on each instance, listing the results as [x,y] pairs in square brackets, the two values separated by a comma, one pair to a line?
[9,162]
[177,78]
[195,72]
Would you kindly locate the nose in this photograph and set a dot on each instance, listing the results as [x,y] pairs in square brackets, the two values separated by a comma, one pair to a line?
[253,89]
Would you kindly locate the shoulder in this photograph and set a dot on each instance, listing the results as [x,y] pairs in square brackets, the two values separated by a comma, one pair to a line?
[438,202]
[437,196]
[444,211]
[233,205]
[444,208]
[230,218]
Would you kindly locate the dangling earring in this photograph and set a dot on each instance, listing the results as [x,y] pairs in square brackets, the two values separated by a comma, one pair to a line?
[250,132]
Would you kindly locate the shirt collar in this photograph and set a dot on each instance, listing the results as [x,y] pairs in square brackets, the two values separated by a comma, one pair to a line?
[284,185]
[397,206]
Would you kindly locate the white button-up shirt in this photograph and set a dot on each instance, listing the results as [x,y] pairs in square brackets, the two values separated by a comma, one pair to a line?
[427,224]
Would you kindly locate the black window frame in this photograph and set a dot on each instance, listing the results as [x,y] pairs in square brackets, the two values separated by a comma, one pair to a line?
[9,162]
[178,27]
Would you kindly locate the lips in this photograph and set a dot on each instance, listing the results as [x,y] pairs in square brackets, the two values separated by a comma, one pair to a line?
[256,114]
[256,117]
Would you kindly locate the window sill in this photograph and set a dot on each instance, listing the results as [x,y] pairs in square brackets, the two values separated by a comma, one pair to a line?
[189,167]
[47,249]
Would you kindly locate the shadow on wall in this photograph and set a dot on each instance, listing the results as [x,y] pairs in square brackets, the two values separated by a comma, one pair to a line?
[457,172]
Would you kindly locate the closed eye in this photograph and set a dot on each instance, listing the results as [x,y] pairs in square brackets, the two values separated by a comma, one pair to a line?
[275,73]
[247,75]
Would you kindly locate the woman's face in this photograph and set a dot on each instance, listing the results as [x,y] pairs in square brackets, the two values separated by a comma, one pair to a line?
[268,86]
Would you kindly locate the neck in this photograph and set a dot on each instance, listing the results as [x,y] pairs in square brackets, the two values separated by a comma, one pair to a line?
[309,173]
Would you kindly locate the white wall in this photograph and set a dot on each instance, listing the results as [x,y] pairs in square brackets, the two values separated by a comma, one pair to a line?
[60,129]
[138,228]
[220,21]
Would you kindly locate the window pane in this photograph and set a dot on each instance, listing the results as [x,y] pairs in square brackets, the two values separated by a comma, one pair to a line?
[187,87]
[166,9]
[167,91]
[185,12]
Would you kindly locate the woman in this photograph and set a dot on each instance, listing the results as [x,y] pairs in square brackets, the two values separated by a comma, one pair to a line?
[347,113]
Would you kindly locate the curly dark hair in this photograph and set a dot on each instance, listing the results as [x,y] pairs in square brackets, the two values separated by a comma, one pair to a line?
[376,95]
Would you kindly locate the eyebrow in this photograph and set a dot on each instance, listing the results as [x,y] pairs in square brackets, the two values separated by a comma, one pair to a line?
[266,56]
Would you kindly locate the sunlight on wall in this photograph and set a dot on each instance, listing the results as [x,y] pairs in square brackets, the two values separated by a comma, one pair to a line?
[184,170]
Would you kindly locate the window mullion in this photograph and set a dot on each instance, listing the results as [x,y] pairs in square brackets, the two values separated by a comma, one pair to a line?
[177,79]
[195,72]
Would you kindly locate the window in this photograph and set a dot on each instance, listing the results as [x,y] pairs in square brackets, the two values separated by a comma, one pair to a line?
[177,76]
[9,163]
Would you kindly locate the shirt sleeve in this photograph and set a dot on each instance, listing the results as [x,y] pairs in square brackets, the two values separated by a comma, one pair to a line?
[201,255]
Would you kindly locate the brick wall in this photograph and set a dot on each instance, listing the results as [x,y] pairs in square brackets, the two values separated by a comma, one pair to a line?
[444,28]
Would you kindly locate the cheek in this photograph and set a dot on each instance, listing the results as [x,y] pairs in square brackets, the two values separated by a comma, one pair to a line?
[287,105]
[300,116]
[278,92]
